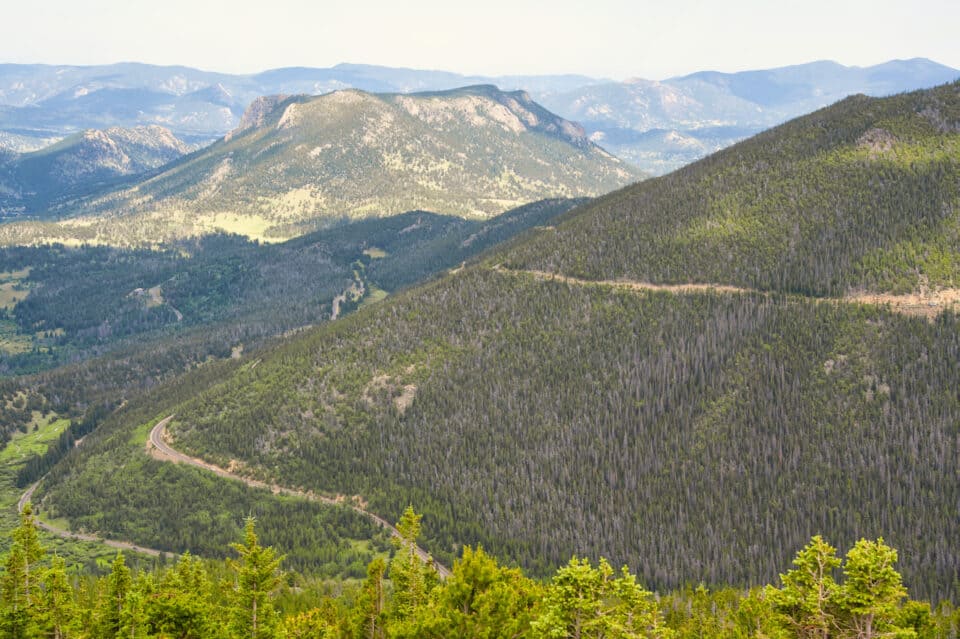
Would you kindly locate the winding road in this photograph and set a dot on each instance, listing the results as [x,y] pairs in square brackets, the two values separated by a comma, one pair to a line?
[161,449]
[159,442]
[68,534]
[927,303]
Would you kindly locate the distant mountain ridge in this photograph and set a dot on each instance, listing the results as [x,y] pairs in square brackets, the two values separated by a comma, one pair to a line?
[300,163]
[707,110]
[704,112]
[49,100]
[81,163]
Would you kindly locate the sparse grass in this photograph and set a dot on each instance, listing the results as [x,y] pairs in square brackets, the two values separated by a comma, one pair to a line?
[254,227]
[11,287]
[374,296]
[375,253]
[140,434]
[12,342]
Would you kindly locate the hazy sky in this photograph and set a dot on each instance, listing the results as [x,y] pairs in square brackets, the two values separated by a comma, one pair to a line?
[611,38]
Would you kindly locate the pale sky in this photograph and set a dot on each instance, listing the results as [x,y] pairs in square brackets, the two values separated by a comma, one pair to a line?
[606,38]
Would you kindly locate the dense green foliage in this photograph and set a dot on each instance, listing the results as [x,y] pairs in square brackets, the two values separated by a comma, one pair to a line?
[230,295]
[719,430]
[860,195]
[692,437]
[255,598]
[176,508]
[94,296]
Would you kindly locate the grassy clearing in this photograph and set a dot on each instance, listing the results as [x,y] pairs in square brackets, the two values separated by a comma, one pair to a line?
[255,227]
[12,288]
[375,253]
[12,342]
[42,431]
[374,296]
[141,433]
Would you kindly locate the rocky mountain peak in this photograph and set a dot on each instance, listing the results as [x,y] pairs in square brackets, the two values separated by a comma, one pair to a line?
[256,114]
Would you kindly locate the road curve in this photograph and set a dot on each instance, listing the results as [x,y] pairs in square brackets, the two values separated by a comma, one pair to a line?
[159,441]
[928,303]
[68,534]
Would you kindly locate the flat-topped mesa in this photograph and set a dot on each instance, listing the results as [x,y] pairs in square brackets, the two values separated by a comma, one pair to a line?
[301,162]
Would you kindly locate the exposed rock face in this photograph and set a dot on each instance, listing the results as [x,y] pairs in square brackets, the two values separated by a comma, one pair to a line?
[256,114]
[117,152]
[877,141]
[298,163]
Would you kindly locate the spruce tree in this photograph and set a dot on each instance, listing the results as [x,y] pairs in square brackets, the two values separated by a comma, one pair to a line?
[21,582]
[258,575]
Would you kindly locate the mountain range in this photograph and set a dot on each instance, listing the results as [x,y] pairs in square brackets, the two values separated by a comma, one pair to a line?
[657,125]
[691,375]
[298,163]
[661,126]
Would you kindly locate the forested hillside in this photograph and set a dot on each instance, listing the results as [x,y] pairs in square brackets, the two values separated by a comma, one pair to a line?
[82,164]
[697,435]
[64,304]
[860,195]
[694,435]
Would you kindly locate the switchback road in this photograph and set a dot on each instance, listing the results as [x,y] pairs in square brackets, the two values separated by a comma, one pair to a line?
[159,441]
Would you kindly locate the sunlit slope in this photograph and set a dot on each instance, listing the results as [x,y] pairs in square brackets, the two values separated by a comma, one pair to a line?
[860,195]
[299,163]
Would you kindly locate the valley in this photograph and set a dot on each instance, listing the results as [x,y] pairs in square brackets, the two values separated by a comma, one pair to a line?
[721,387]
[377,333]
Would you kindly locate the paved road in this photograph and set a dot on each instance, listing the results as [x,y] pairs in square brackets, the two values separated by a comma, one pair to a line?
[67,534]
[159,441]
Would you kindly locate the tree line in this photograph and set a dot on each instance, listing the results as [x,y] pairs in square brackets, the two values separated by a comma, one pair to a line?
[251,596]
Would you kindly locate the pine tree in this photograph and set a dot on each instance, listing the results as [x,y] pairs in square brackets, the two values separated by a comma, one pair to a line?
[368,617]
[872,591]
[482,598]
[406,569]
[806,599]
[114,597]
[258,575]
[585,602]
[20,582]
[60,611]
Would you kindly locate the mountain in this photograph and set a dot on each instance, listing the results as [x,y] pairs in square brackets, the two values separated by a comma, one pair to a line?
[725,107]
[40,102]
[815,206]
[691,376]
[299,163]
[82,163]
[120,323]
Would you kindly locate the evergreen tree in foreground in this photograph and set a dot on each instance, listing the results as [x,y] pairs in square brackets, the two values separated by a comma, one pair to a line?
[258,576]
[821,597]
